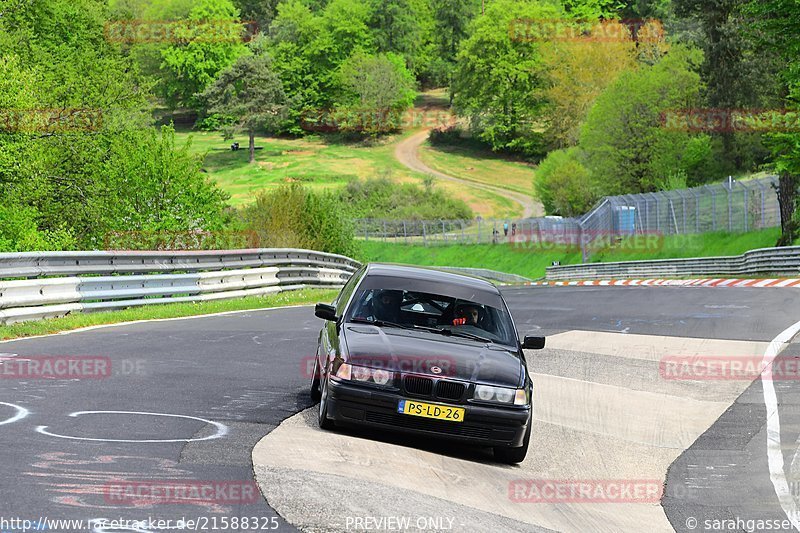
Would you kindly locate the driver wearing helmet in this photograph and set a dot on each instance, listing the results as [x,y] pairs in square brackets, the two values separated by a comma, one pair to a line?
[470,313]
[386,305]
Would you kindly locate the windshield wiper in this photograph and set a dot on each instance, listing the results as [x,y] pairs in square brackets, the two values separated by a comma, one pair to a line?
[452,333]
[469,336]
[381,323]
[441,331]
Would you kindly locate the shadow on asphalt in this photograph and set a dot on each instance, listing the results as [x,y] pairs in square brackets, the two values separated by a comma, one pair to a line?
[456,450]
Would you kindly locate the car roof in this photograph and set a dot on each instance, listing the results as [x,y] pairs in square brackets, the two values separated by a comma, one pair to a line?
[430,274]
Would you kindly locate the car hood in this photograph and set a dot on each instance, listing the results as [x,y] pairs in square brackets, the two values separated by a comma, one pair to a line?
[417,352]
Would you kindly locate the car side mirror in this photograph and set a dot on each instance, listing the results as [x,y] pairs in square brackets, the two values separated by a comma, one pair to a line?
[326,312]
[533,343]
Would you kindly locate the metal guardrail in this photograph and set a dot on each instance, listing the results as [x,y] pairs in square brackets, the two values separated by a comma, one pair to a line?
[114,280]
[773,261]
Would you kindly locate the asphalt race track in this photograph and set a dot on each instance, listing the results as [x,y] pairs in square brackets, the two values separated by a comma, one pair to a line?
[211,401]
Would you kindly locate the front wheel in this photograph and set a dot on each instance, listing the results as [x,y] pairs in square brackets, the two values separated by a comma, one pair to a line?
[322,419]
[512,456]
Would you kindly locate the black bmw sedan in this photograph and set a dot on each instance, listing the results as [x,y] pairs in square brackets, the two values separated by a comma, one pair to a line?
[427,352]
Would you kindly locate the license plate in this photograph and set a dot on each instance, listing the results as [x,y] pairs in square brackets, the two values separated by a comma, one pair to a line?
[428,410]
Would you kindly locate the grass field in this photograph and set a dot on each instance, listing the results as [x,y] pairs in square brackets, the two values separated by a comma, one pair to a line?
[327,163]
[531,261]
[480,167]
[319,164]
[311,161]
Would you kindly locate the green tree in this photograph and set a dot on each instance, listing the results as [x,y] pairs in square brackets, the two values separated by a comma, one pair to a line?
[577,73]
[451,19]
[376,90]
[251,94]
[19,232]
[260,11]
[776,25]
[308,48]
[153,185]
[627,148]
[592,9]
[499,80]
[736,74]
[397,25]
[564,185]
[209,39]
[58,50]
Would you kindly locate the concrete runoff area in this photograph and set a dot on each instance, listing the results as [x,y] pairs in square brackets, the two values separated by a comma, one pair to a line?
[583,430]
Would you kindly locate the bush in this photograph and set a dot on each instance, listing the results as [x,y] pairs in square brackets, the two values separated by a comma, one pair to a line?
[564,185]
[385,199]
[151,184]
[624,138]
[450,135]
[292,216]
[19,232]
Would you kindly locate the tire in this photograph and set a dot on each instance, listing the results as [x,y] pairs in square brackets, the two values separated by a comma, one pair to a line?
[316,394]
[322,419]
[512,456]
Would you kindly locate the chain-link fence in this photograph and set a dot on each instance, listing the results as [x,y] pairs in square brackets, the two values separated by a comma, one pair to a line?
[735,206]
[477,231]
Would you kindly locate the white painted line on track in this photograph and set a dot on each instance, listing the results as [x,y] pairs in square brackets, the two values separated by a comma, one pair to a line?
[129,323]
[777,473]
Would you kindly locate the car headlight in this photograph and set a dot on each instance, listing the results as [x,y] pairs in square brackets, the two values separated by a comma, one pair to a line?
[364,374]
[381,377]
[361,373]
[487,393]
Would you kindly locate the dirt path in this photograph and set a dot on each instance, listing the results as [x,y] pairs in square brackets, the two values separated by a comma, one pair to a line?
[407,152]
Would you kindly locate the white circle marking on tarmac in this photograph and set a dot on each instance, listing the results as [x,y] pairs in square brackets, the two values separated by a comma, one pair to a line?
[21,413]
[222,429]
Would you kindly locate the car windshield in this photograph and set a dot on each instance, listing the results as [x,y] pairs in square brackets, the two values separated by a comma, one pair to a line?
[433,312]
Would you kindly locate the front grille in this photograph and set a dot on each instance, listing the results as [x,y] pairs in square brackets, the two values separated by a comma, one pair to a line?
[449,390]
[412,422]
[418,385]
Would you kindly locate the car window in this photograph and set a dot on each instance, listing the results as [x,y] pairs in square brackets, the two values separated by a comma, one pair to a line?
[347,291]
[410,308]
